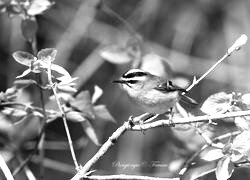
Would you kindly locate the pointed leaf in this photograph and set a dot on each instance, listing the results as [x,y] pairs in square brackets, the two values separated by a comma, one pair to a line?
[47,55]
[89,130]
[217,103]
[224,168]
[82,103]
[26,72]
[38,7]
[241,143]
[61,71]
[103,114]
[29,28]
[67,81]
[23,58]
[212,155]
[75,116]
[66,89]
[97,94]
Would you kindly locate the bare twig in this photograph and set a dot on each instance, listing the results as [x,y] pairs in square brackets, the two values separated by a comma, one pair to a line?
[53,86]
[235,47]
[5,169]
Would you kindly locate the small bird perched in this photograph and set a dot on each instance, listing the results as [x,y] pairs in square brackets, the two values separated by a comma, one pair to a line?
[152,93]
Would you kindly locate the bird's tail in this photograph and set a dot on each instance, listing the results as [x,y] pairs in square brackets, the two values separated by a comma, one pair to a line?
[188,100]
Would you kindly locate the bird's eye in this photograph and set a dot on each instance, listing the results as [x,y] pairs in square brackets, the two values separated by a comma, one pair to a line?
[132,81]
[134,74]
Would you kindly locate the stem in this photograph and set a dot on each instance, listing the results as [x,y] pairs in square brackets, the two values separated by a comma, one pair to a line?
[41,136]
[53,86]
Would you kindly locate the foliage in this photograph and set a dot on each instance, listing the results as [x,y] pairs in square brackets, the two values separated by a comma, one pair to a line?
[62,98]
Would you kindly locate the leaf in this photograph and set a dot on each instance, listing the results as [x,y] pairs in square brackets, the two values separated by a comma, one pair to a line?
[236,156]
[241,143]
[38,7]
[217,103]
[29,28]
[115,54]
[64,97]
[97,94]
[103,114]
[63,73]
[66,89]
[23,83]
[246,99]
[82,103]
[212,155]
[75,116]
[242,123]
[224,168]
[67,81]
[14,112]
[26,72]
[89,130]
[23,58]
[47,55]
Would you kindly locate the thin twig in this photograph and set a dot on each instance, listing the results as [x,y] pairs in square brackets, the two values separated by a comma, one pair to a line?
[53,86]
[235,47]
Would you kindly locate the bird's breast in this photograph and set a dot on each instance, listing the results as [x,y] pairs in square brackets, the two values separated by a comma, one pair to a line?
[154,101]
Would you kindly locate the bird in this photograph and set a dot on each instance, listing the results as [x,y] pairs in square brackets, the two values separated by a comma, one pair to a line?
[151,93]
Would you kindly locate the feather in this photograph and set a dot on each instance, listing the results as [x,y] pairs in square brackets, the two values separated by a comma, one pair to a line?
[188,100]
[168,86]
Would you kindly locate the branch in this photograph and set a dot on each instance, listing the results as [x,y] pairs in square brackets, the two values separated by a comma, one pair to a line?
[127,126]
[126,177]
[105,147]
[205,118]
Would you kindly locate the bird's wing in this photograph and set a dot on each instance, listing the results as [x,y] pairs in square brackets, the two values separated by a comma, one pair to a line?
[168,86]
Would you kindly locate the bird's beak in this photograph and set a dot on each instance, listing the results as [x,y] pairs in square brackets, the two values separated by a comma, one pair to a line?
[120,81]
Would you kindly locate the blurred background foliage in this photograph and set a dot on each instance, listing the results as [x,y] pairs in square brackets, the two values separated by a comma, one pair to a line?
[189,35]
